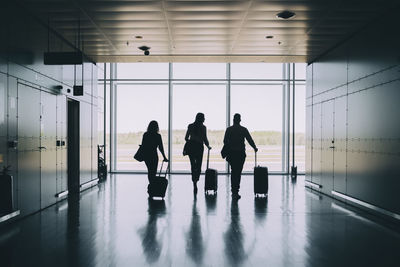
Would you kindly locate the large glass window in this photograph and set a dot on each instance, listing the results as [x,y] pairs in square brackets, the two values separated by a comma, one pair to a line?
[199,71]
[142,71]
[300,127]
[260,107]
[188,100]
[137,105]
[174,93]
[256,71]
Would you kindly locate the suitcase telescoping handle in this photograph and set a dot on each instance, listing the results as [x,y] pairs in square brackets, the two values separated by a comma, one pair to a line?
[166,170]
[255,162]
[208,157]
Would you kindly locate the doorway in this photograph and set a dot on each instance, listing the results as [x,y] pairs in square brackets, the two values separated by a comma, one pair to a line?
[73,146]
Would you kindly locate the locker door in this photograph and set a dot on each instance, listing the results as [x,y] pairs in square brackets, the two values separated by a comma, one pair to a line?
[309,127]
[340,154]
[48,134]
[327,146]
[28,149]
[316,144]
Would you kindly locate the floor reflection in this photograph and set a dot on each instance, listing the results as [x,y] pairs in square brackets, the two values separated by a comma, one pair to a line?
[194,237]
[151,245]
[116,225]
[73,222]
[233,238]
[211,203]
[260,209]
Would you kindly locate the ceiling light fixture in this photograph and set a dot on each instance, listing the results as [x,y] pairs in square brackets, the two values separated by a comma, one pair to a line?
[138,37]
[269,37]
[286,14]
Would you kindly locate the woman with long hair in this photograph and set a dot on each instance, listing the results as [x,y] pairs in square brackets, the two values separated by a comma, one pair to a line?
[150,142]
[196,134]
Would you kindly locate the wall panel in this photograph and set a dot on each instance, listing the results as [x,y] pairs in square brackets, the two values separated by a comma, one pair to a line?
[340,135]
[48,154]
[28,149]
[316,144]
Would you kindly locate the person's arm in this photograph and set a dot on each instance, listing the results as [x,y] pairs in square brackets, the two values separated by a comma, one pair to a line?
[250,140]
[161,148]
[205,138]
[187,133]
[226,137]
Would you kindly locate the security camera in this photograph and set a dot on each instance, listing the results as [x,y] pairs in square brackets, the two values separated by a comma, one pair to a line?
[145,49]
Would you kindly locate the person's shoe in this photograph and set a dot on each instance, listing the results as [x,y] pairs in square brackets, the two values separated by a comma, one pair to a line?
[236,196]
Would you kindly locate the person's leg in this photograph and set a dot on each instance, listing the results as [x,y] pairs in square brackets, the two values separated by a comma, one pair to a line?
[151,165]
[234,173]
[193,166]
[240,162]
[199,162]
[236,161]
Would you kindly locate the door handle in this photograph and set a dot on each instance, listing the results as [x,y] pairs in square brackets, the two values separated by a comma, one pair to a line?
[42,147]
[331,147]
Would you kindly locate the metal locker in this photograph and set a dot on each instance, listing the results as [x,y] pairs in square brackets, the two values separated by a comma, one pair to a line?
[316,144]
[309,122]
[48,155]
[328,144]
[28,149]
[340,155]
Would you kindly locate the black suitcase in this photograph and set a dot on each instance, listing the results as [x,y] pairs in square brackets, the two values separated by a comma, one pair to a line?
[211,180]
[158,187]
[6,192]
[260,180]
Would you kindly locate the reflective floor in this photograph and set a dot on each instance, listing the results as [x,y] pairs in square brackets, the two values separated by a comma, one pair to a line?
[114,224]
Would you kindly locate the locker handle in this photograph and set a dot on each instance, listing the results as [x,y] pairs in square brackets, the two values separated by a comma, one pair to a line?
[331,147]
[42,147]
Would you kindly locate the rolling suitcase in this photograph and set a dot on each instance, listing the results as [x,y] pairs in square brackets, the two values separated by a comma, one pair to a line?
[158,187]
[211,180]
[6,192]
[260,180]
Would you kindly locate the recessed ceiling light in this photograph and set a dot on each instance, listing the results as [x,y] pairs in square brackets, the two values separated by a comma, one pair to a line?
[279,43]
[286,14]
[269,37]
[138,37]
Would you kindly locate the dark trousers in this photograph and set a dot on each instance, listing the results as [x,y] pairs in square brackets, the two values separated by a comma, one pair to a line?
[151,164]
[196,159]
[236,160]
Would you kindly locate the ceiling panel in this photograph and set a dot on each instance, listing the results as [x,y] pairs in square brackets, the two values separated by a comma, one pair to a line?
[183,30]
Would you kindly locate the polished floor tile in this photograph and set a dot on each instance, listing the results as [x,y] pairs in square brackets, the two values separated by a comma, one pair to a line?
[114,224]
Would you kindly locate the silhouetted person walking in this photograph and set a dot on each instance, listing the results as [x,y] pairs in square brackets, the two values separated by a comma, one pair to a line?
[234,142]
[197,134]
[150,142]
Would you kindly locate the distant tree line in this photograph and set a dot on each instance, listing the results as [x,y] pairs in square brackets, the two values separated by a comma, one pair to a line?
[268,138]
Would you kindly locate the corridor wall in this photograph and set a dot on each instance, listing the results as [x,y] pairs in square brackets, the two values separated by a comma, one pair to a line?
[33,112]
[353,123]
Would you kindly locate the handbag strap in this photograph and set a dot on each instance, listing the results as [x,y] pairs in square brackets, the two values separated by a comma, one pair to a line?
[255,163]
